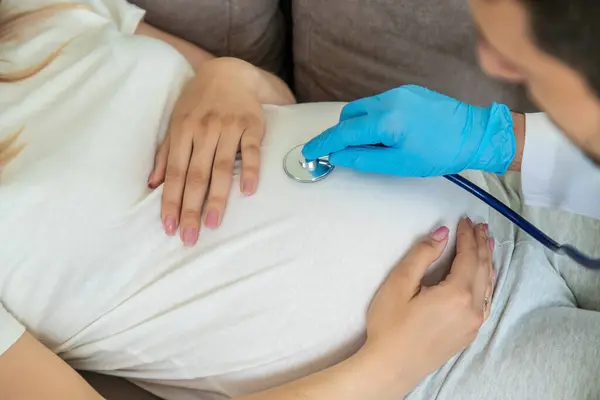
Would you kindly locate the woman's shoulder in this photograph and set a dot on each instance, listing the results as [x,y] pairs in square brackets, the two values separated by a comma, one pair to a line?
[123,15]
[36,33]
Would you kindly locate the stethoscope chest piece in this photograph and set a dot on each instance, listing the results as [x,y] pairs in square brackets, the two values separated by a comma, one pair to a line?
[301,170]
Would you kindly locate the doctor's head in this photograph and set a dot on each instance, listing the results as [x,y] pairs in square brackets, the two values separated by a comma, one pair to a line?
[553,48]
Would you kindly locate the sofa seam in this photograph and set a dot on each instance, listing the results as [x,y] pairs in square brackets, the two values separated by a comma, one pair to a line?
[229,26]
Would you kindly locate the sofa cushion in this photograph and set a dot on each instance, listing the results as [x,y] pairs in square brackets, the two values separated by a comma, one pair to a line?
[355,48]
[251,30]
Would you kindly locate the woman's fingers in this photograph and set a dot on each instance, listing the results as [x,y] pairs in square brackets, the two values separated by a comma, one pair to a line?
[198,178]
[491,282]
[465,266]
[472,266]
[489,292]
[180,151]
[250,147]
[197,161]
[484,273]
[157,176]
[222,175]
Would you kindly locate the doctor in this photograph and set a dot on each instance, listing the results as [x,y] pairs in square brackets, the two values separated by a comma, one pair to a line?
[552,48]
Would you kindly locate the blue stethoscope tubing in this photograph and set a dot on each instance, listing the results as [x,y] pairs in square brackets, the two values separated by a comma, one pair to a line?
[293,157]
[522,223]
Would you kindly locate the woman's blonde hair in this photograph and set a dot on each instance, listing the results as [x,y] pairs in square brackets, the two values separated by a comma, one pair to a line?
[13,29]
[9,148]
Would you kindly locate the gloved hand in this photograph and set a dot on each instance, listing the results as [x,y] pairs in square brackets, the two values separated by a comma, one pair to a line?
[412,131]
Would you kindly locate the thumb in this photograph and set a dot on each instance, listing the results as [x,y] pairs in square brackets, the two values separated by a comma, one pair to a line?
[379,160]
[352,132]
[412,268]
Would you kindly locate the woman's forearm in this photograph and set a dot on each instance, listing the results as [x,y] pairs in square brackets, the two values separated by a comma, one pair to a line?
[361,377]
[273,90]
[268,87]
[28,370]
[193,54]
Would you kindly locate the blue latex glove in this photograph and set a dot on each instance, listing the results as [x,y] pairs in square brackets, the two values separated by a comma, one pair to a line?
[418,133]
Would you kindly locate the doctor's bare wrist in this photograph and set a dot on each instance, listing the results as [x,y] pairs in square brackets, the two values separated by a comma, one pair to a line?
[519,130]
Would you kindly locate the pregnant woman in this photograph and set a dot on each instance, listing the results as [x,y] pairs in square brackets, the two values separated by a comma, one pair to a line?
[282,300]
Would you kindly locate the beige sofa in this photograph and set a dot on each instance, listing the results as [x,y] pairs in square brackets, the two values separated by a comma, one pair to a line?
[334,50]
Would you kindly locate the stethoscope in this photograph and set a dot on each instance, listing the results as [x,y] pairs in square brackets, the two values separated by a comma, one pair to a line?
[304,171]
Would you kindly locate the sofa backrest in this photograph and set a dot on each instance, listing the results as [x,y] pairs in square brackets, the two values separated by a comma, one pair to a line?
[345,49]
[249,29]
[355,48]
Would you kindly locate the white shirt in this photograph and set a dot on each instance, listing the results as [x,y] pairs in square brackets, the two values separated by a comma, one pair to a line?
[84,99]
[86,267]
[555,173]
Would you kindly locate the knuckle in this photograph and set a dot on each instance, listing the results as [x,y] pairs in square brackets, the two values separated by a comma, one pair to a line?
[485,260]
[251,156]
[424,247]
[468,246]
[174,174]
[228,119]
[405,279]
[481,232]
[467,236]
[250,144]
[223,166]
[198,177]
[462,299]
[248,119]
[485,255]
[390,118]
[216,201]
[250,171]
[170,204]
[188,125]
[208,118]
[190,215]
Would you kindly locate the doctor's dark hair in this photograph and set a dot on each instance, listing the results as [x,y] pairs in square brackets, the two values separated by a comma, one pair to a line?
[570,31]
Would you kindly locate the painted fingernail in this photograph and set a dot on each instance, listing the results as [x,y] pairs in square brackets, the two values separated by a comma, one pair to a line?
[190,236]
[486,229]
[469,221]
[170,225]
[212,219]
[440,234]
[149,181]
[491,244]
[248,187]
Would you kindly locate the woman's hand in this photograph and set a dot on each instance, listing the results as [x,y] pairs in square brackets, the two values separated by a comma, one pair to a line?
[218,114]
[411,330]
[421,328]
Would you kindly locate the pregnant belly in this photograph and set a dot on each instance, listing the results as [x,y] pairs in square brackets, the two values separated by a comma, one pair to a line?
[283,286]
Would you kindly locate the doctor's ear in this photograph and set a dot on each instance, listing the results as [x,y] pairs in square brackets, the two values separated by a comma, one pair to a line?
[495,66]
